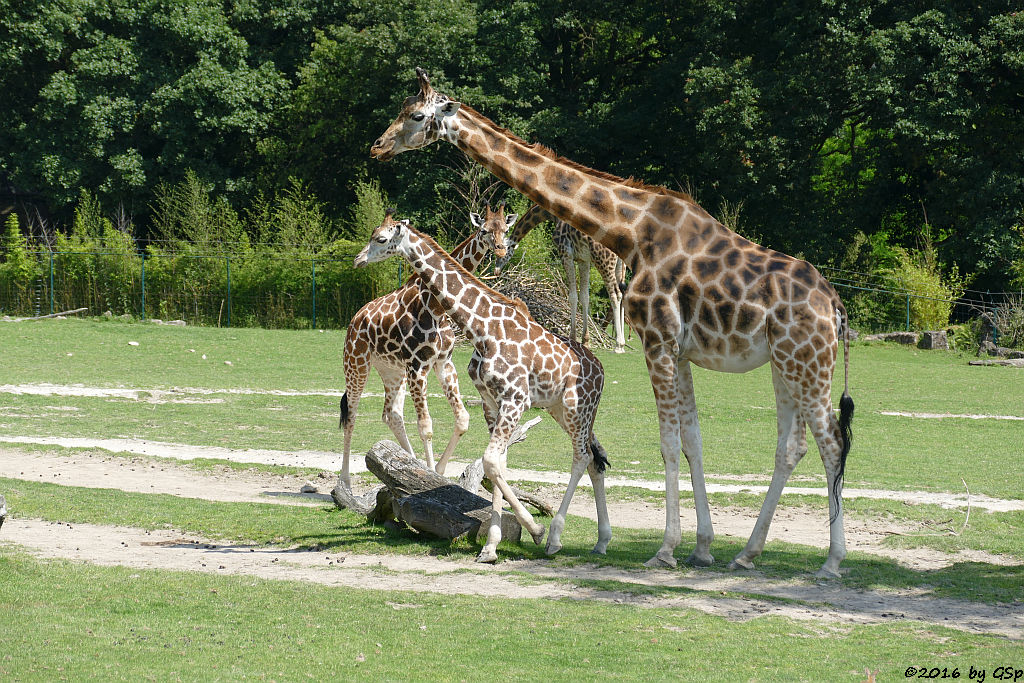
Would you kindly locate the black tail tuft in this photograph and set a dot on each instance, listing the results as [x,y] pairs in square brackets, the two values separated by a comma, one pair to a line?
[344,411]
[846,434]
[600,455]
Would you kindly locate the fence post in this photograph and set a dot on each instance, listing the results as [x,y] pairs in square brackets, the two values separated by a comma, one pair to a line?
[51,283]
[312,262]
[227,260]
[143,286]
[908,313]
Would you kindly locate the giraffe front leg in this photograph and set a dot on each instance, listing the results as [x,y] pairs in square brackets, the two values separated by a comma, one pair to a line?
[394,407]
[569,264]
[418,388]
[449,378]
[584,288]
[661,366]
[693,449]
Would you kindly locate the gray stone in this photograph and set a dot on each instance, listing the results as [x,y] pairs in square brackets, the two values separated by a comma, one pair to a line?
[909,338]
[935,339]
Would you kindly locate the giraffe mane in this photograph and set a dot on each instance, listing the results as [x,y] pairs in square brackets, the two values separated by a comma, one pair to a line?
[458,248]
[498,296]
[549,153]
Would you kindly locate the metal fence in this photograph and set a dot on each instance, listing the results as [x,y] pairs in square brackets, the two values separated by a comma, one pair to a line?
[203,289]
[280,290]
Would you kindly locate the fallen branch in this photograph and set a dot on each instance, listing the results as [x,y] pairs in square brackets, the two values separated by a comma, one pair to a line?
[55,315]
[950,532]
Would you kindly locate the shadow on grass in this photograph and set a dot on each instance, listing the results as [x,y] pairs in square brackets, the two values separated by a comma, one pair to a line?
[630,548]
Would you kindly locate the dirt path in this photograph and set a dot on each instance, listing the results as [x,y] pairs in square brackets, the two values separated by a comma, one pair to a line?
[824,601]
[330,461]
[819,601]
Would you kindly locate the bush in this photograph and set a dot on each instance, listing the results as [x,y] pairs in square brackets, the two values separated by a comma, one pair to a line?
[18,268]
[919,274]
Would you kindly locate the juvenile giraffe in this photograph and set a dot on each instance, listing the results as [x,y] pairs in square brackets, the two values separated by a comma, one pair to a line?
[516,364]
[700,294]
[403,335]
[577,250]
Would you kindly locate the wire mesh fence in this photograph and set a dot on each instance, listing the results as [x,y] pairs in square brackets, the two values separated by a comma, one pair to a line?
[289,291]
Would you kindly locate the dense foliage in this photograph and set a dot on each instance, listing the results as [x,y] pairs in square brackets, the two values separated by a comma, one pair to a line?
[831,124]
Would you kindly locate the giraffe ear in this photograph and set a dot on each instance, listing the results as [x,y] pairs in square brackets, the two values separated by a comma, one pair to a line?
[406,223]
[449,108]
[475,219]
[510,219]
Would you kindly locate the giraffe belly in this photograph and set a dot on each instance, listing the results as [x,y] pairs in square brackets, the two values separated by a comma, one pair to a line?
[753,354]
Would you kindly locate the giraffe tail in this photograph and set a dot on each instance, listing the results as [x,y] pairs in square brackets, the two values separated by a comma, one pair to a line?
[845,404]
[600,455]
[344,411]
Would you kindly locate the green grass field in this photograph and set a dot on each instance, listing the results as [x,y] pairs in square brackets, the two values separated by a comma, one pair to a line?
[73,621]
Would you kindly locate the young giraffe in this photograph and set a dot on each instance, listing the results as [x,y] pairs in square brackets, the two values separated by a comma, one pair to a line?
[700,294]
[577,250]
[403,335]
[516,364]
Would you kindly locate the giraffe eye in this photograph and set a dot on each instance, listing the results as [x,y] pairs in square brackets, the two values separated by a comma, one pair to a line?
[418,116]
[382,239]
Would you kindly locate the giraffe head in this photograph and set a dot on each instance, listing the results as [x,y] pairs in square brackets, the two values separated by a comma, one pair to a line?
[424,117]
[494,226]
[385,240]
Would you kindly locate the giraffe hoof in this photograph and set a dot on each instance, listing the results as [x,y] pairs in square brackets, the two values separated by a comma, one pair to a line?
[661,560]
[552,549]
[740,564]
[694,560]
[487,557]
[600,549]
[826,573]
[539,536]
[619,349]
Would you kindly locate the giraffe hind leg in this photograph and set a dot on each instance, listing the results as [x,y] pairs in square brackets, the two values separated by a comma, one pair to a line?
[791,447]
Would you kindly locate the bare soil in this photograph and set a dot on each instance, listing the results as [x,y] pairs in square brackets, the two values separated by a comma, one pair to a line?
[798,598]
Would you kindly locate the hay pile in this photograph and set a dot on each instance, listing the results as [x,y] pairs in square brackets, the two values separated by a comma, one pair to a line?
[547,299]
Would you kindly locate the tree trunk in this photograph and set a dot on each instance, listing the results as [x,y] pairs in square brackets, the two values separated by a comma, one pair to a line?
[427,501]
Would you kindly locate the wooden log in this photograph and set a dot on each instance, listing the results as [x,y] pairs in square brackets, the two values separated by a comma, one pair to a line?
[430,503]
[345,499]
[472,477]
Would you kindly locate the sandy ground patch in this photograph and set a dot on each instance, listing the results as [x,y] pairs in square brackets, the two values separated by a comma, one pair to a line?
[820,601]
[330,461]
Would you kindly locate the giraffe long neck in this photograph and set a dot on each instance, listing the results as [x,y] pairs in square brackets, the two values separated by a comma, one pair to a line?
[533,217]
[470,253]
[464,298]
[609,209]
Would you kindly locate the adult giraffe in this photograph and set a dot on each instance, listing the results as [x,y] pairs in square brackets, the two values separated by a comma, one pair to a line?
[576,250]
[700,294]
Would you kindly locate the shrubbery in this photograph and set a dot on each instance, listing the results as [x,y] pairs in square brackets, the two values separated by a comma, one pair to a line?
[267,260]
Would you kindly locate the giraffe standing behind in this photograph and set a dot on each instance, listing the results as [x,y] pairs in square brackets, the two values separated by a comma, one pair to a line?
[577,251]
[516,364]
[403,335]
[700,294]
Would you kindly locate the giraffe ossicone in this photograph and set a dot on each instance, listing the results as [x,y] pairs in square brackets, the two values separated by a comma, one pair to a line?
[516,364]
[699,294]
